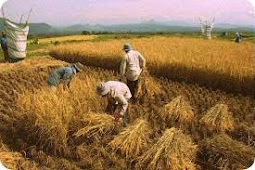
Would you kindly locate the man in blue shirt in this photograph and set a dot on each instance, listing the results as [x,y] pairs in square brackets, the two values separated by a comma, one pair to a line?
[4,46]
[64,74]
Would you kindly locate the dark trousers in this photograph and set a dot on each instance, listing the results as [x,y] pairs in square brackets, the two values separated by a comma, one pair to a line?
[133,87]
[6,55]
[111,106]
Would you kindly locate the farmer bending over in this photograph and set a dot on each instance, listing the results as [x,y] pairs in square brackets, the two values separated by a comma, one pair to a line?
[117,94]
[131,67]
[238,38]
[64,74]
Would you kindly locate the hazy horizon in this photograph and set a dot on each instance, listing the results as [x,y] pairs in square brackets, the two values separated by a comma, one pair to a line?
[109,12]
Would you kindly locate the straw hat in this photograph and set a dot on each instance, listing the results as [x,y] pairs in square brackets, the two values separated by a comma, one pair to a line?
[102,89]
[78,66]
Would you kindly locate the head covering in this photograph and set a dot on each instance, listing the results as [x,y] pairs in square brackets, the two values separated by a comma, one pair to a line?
[237,33]
[102,89]
[3,34]
[78,66]
[127,47]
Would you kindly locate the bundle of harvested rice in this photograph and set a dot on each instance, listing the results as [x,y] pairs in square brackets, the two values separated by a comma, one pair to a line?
[174,150]
[178,110]
[224,152]
[147,86]
[133,139]
[218,119]
[96,123]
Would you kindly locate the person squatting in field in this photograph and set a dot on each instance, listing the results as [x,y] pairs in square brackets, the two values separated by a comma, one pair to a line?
[64,74]
[238,38]
[131,67]
[117,94]
[4,46]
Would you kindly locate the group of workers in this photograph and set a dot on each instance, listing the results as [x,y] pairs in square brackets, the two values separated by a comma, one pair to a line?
[117,93]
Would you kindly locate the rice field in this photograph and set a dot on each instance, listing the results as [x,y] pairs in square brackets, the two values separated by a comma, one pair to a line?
[176,124]
[69,38]
[68,129]
[215,64]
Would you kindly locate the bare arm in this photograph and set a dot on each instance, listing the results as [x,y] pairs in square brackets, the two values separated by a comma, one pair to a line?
[123,66]
[142,61]
[123,102]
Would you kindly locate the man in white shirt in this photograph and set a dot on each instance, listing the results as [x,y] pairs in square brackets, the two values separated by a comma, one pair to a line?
[117,94]
[131,67]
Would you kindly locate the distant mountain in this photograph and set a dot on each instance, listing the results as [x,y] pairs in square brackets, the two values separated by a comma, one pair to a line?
[232,27]
[156,26]
[41,29]
[150,26]
[146,26]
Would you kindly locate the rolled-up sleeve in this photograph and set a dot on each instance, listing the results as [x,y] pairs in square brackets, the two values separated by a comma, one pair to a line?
[123,102]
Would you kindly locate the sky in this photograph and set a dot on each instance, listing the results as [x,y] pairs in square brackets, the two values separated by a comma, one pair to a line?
[69,12]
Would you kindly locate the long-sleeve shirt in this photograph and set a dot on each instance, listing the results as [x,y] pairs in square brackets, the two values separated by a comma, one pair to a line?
[120,93]
[64,73]
[132,64]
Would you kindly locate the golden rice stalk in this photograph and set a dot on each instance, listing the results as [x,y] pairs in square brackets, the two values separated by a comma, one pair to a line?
[174,150]
[3,147]
[45,116]
[14,161]
[147,86]
[223,151]
[83,153]
[178,110]
[218,119]
[96,123]
[83,94]
[133,139]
